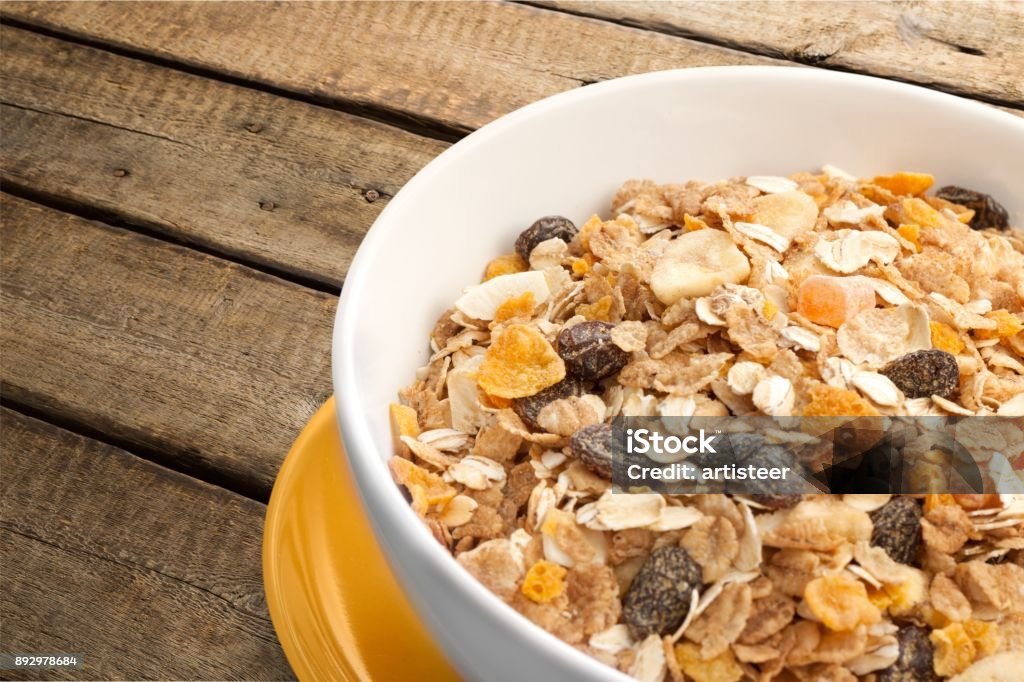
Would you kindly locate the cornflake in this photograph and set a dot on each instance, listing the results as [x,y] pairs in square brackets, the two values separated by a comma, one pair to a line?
[762,295]
[519,363]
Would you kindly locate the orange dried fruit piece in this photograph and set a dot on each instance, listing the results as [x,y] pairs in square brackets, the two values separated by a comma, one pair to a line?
[581,266]
[879,597]
[599,310]
[829,401]
[841,603]
[690,223]
[945,338]
[932,618]
[432,489]
[505,265]
[829,300]
[954,650]
[517,306]
[494,401]
[938,500]
[403,423]
[721,668]
[519,363]
[920,213]
[912,233]
[975,502]
[905,183]
[1007,324]
[544,581]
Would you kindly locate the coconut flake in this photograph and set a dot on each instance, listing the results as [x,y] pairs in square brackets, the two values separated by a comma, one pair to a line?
[482,300]
[771,184]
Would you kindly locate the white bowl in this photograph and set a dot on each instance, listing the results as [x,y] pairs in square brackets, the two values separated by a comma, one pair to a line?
[567,155]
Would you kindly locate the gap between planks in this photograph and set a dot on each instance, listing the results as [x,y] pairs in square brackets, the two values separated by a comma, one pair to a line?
[276,184]
[823,45]
[64,422]
[186,560]
[91,212]
[206,366]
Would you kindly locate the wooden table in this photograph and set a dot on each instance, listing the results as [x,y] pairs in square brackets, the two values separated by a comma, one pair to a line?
[184,187]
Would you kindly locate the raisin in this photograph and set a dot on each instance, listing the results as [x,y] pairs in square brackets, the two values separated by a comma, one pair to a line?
[592,445]
[528,408]
[549,227]
[987,211]
[914,662]
[925,373]
[751,449]
[588,351]
[776,501]
[659,596]
[898,529]
[746,448]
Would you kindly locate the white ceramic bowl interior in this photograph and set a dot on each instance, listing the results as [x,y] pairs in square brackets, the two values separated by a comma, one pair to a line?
[567,155]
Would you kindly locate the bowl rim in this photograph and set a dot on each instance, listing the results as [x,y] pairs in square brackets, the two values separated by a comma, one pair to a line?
[371,474]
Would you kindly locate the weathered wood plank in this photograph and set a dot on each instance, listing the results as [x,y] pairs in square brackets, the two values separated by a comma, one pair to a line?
[262,178]
[215,365]
[970,48]
[453,64]
[150,574]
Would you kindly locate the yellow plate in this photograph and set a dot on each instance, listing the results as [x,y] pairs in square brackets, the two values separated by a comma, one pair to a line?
[335,605]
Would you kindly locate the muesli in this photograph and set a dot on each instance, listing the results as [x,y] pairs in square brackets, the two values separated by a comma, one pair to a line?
[820,295]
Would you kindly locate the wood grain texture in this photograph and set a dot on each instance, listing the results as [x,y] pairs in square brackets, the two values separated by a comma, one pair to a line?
[457,65]
[212,364]
[970,48]
[131,564]
[261,178]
